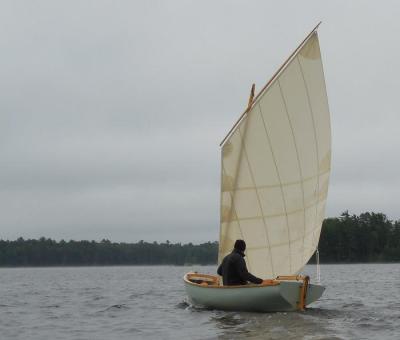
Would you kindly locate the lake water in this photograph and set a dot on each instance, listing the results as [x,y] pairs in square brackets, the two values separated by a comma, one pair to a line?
[360,302]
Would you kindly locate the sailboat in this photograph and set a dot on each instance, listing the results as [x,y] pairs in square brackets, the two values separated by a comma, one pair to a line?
[275,167]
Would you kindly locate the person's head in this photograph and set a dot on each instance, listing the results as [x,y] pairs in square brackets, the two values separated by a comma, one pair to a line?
[240,245]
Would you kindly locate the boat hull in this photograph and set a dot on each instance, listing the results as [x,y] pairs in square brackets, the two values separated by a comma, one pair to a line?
[282,297]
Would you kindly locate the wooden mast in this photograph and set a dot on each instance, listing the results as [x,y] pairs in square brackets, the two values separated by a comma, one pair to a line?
[253,88]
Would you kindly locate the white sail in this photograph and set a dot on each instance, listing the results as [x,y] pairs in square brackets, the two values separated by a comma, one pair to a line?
[276,167]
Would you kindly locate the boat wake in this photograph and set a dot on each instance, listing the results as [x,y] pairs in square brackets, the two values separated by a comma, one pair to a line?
[186,305]
[114,308]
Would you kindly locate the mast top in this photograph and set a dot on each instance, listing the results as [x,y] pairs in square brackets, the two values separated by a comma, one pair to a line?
[275,76]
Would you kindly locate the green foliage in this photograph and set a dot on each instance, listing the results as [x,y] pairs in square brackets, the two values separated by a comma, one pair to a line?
[47,252]
[369,237]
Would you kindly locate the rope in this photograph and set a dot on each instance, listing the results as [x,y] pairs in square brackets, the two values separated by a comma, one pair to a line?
[318,267]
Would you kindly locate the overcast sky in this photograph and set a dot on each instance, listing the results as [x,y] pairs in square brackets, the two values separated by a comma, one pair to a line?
[111,112]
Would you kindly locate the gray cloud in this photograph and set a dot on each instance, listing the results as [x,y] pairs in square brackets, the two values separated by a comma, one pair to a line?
[111,112]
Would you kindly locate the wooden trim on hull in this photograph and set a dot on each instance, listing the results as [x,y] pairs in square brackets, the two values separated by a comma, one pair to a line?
[290,291]
[212,281]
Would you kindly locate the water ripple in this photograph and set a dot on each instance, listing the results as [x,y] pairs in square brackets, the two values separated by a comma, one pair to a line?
[150,303]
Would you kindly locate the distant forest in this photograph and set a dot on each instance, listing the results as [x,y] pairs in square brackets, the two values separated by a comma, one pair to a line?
[369,237]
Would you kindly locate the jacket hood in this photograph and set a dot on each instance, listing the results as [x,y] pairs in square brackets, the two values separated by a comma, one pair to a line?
[239,252]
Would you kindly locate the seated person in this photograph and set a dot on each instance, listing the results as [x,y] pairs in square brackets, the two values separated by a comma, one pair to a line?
[233,268]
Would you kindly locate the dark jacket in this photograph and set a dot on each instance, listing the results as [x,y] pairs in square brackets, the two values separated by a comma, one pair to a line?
[233,270]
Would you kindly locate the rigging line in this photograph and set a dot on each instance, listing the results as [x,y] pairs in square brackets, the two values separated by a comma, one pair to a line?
[280,182]
[259,201]
[318,267]
[297,155]
[316,149]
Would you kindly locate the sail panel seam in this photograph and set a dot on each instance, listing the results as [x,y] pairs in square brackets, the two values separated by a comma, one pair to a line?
[236,181]
[276,245]
[230,220]
[272,186]
[316,146]
[279,179]
[327,102]
[297,153]
[258,198]
[291,212]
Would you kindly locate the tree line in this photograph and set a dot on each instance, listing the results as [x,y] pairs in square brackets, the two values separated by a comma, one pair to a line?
[47,252]
[369,237]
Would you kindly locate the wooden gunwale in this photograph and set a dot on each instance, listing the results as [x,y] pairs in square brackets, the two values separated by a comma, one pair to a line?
[186,279]
[215,279]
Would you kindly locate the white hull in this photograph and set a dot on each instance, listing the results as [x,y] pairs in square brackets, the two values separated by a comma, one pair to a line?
[281,297]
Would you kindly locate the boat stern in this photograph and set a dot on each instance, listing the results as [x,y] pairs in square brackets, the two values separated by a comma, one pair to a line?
[314,292]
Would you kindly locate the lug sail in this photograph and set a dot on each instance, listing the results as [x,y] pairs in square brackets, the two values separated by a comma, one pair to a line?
[276,167]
